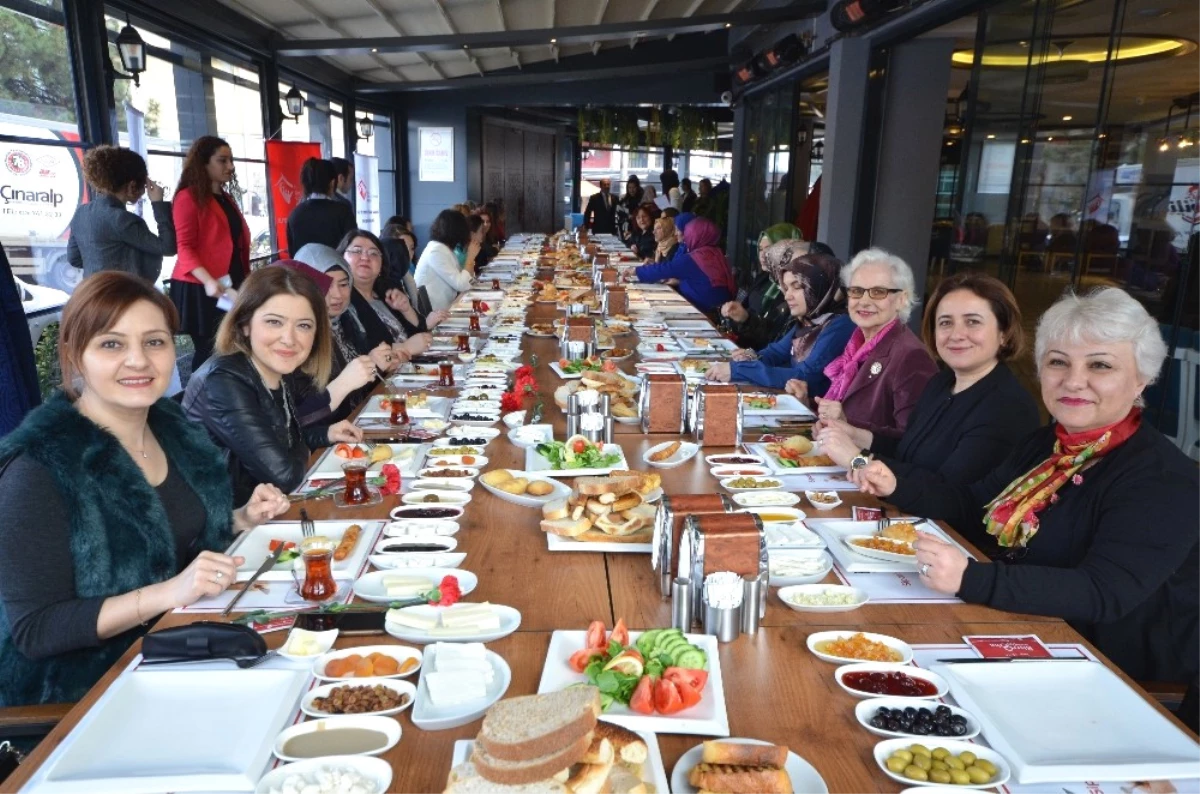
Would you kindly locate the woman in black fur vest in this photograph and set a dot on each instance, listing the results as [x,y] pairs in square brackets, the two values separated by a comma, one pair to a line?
[114,508]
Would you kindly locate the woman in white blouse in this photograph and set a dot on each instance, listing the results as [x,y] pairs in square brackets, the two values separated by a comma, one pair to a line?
[447,265]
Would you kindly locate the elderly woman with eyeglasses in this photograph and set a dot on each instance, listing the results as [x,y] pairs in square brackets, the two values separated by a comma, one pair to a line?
[876,381]
[1093,517]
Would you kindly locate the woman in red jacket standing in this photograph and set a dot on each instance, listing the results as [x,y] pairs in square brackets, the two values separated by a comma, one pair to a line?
[213,241]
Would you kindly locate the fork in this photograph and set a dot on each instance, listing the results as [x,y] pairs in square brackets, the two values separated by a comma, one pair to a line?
[307,527]
[883,523]
[244,664]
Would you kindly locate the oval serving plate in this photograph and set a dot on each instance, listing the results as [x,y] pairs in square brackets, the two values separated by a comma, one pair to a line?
[389,727]
[401,653]
[406,689]
[899,646]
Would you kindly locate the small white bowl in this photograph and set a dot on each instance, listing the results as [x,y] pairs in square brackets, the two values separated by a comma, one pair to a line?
[428,472]
[514,418]
[786,593]
[770,484]
[442,461]
[723,460]
[401,653]
[721,472]
[323,639]
[375,769]
[901,647]
[389,727]
[408,511]
[465,357]
[866,709]
[456,484]
[792,513]
[417,527]
[888,746]
[816,556]
[528,436]
[760,497]
[403,688]
[687,450]
[420,559]
[823,505]
[445,498]
[447,544]
[943,687]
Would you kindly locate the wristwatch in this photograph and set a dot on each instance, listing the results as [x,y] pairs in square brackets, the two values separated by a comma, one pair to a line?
[860,460]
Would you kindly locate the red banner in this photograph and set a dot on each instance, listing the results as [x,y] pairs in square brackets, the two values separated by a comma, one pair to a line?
[284,159]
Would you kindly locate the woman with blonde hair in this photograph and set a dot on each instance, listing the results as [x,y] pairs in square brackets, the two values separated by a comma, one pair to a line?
[246,396]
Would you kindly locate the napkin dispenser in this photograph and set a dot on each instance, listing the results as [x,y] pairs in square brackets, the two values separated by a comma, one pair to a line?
[669,519]
[721,542]
[608,275]
[616,300]
[716,415]
[663,403]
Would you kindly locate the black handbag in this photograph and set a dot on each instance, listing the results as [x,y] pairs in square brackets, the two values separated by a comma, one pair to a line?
[10,759]
[204,639]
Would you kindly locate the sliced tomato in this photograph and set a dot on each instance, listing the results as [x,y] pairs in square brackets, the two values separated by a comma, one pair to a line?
[643,696]
[688,694]
[579,446]
[660,348]
[274,544]
[357,452]
[564,362]
[609,366]
[342,450]
[579,660]
[597,635]
[696,679]
[620,633]
[666,697]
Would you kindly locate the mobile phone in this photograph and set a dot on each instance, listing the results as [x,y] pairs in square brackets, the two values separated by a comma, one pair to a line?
[349,624]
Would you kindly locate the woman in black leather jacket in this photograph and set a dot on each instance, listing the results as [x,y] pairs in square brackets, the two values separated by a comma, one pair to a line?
[246,396]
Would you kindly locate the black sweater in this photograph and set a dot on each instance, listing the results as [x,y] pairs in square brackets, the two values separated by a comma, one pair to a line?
[769,314]
[959,438]
[319,220]
[1116,556]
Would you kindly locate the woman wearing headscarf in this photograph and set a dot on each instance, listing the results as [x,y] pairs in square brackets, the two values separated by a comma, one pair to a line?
[819,329]
[704,275]
[665,239]
[760,316]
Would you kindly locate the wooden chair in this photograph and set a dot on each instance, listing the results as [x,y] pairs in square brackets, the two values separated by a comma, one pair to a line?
[22,722]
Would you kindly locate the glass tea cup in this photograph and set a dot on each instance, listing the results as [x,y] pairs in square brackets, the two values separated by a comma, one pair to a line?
[356,491]
[316,556]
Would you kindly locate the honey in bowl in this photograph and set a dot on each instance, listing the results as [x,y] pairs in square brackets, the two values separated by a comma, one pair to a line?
[769,517]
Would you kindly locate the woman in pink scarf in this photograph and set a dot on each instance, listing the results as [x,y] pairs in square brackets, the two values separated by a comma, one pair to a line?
[704,275]
[877,379]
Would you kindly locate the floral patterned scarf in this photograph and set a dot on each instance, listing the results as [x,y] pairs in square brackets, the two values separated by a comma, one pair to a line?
[1012,516]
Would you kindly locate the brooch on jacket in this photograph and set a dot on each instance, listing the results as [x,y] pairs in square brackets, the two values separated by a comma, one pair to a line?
[876,368]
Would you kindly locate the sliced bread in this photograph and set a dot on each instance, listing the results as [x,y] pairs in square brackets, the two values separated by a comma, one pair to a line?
[465,779]
[522,728]
[622,780]
[594,486]
[556,510]
[567,527]
[630,748]
[524,772]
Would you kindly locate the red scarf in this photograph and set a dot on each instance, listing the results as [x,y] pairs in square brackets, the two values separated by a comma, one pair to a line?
[1012,516]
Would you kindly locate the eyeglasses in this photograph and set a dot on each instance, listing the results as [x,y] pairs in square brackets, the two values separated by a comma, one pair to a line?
[876,293]
[370,253]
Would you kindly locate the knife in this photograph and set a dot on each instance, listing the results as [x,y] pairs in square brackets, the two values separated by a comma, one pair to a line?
[267,565]
[1021,659]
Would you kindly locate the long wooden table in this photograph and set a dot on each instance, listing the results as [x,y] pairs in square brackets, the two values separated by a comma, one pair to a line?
[775,689]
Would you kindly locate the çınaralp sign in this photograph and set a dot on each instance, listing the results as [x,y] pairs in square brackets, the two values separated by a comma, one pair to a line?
[436,161]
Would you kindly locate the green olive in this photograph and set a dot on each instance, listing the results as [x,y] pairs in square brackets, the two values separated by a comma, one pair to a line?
[940,752]
[918,749]
[915,773]
[940,765]
[967,757]
[903,754]
[977,775]
[939,776]
[959,777]
[986,766]
[896,765]
[923,761]
[953,762]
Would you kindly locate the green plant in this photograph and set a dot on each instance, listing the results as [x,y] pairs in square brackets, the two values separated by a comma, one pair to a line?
[46,356]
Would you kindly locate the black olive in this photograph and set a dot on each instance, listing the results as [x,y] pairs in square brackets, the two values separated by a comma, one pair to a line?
[924,713]
[958,729]
[921,729]
[893,725]
[943,710]
[883,712]
[910,712]
[879,722]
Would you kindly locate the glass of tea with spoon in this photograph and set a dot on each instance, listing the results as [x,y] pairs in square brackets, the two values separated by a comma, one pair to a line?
[316,554]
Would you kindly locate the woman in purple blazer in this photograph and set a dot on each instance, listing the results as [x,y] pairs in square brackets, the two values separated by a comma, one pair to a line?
[875,382]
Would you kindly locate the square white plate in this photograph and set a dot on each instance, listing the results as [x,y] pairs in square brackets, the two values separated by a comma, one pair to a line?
[708,717]
[152,732]
[406,457]
[778,468]
[434,407]
[536,464]
[559,543]
[785,405]
[653,771]
[255,545]
[1076,720]
[704,344]
[560,372]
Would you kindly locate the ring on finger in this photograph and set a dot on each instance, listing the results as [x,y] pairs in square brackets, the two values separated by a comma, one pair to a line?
[220,575]
[925,569]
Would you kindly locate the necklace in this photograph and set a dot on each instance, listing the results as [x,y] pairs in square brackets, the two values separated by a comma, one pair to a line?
[143,449]
[287,407]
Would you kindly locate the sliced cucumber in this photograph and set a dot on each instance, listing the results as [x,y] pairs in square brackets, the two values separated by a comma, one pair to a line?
[693,659]
[646,641]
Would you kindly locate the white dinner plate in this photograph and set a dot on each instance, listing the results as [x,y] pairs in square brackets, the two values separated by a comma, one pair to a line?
[370,586]
[804,775]
[901,647]
[255,546]
[406,689]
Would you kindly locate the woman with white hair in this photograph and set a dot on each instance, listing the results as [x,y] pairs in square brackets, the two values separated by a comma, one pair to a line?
[1092,518]
[876,381]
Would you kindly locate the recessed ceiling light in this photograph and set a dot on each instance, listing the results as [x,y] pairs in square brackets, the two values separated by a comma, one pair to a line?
[374,49]
[1050,138]
[728,24]
[1024,140]
[991,137]
[1102,135]
[554,41]
[1067,118]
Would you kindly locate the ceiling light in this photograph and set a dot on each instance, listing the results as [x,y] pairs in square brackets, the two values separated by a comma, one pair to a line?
[1091,49]
[1164,145]
[554,41]
[1050,138]
[132,50]
[374,49]
[295,103]
[1067,118]
[991,137]
[728,25]
[1024,140]
[1102,135]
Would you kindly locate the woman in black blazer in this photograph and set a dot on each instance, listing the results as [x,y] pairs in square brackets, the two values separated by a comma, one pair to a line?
[974,410]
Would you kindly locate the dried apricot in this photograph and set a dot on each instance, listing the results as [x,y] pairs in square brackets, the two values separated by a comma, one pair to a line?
[386,665]
[364,669]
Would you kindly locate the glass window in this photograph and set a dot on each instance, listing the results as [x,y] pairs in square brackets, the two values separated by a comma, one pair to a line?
[238,108]
[337,128]
[40,185]
[171,93]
